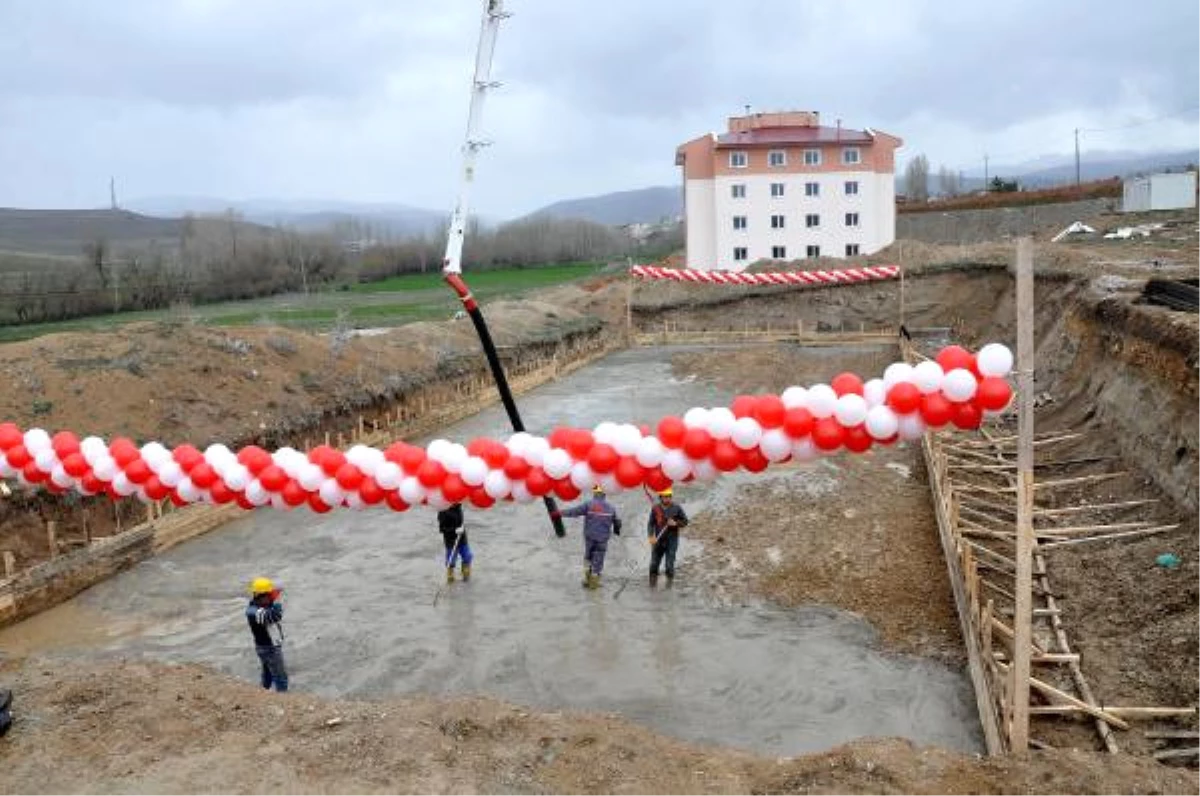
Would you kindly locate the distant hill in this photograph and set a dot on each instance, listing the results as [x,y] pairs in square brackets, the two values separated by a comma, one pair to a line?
[305,215]
[66,232]
[646,205]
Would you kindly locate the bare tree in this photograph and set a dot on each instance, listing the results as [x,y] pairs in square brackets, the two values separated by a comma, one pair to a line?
[948,184]
[916,179]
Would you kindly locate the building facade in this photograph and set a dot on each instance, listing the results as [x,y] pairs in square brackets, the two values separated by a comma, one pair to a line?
[1159,192]
[779,186]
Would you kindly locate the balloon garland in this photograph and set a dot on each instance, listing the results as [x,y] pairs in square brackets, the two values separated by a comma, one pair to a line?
[956,388]
[840,276]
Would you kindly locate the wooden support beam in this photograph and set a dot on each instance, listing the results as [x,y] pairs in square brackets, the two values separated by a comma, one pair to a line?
[1123,712]
[1091,710]
[1093,507]
[1183,734]
[1023,630]
[1068,530]
[1177,754]
[1110,536]
[1082,479]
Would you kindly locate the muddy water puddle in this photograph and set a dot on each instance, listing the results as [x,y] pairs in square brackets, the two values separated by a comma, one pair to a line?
[360,590]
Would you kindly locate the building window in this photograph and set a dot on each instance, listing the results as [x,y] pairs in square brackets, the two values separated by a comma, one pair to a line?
[777,222]
[812,220]
[739,222]
[738,191]
[739,252]
[737,160]
[851,249]
[852,219]
[777,157]
[852,188]
[850,156]
[812,189]
[812,157]
[776,190]
[813,251]
[779,252]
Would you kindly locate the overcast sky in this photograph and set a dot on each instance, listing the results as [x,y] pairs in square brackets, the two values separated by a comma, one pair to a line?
[366,100]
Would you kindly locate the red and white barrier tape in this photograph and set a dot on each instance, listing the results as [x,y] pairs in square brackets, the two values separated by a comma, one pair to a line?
[837,277]
[755,431]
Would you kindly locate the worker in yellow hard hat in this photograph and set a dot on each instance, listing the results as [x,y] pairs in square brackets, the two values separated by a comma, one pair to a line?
[265,615]
[662,529]
[600,521]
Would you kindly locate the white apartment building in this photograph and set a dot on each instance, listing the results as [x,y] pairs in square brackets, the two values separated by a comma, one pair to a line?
[779,186]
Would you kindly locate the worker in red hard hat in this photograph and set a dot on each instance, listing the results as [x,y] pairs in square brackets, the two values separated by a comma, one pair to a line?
[264,613]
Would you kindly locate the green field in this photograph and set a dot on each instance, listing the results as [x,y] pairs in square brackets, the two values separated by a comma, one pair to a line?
[392,302]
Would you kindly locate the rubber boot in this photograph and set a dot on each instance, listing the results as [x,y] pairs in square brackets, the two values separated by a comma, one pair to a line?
[466,572]
[587,577]
[653,579]
[449,574]
[593,581]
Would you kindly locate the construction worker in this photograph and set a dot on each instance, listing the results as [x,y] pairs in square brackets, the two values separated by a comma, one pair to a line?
[454,536]
[5,711]
[600,521]
[666,518]
[265,615]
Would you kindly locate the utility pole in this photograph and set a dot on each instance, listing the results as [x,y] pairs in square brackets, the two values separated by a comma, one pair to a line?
[985,172]
[1077,158]
[112,192]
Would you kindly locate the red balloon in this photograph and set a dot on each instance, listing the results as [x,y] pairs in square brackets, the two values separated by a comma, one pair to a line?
[254,458]
[725,456]
[220,493]
[828,434]
[349,477]
[967,416]
[496,454]
[18,456]
[697,443]
[857,439]
[91,483]
[175,498]
[629,473]
[395,502]
[656,479]
[394,453]
[538,483]
[64,444]
[847,384]
[187,457]
[203,475]
[481,499]
[559,436]
[332,461]
[952,357]
[743,406]
[753,460]
[293,494]
[565,489]
[516,468]
[904,398]
[75,465]
[992,394]
[138,471]
[974,367]
[155,489]
[936,410]
[478,446]
[431,473]
[602,458]
[798,422]
[123,451]
[272,477]
[579,443]
[671,431]
[770,411]
[411,459]
[371,492]
[316,504]
[243,501]
[10,436]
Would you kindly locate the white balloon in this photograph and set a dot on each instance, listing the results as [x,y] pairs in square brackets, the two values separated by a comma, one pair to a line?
[279,503]
[994,359]
[628,439]
[676,465]
[411,490]
[354,501]
[330,492]
[187,490]
[518,442]
[536,450]
[794,397]
[557,463]
[36,439]
[696,417]
[875,392]
[170,474]
[582,476]
[496,484]
[456,457]
[911,426]
[959,385]
[897,372]
[61,477]
[388,475]
[155,455]
[437,500]
[803,450]
[776,445]
[474,470]
[650,452]
[928,376]
[609,483]
[236,477]
[606,432]
[705,470]
[311,477]
[851,410]
[746,433]
[521,493]
[719,422]
[256,493]
[91,447]
[105,469]
[357,455]
[123,486]
[822,400]
[46,459]
[437,449]
[6,469]
[882,422]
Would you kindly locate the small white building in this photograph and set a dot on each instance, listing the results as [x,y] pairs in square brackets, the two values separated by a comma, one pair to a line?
[1167,191]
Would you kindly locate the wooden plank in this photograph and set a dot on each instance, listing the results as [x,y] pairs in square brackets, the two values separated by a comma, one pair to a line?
[1063,696]
[1082,479]
[1067,530]
[1185,734]
[1110,536]
[1023,619]
[1123,712]
[1177,754]
[1093,507]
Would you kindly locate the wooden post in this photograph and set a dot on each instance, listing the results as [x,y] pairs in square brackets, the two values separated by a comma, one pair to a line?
[52,537]
[87,529]
[117,515]
[902,291]
[10,564]
[1023,618]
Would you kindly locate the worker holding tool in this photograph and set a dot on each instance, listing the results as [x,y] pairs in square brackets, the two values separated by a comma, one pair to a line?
[454,537]
[666,518]
[600,522]
[265,615]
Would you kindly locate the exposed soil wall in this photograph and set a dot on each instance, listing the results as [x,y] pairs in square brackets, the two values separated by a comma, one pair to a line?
[974,226]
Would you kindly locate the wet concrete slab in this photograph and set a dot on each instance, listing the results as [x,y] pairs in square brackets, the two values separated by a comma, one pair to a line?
[360,589]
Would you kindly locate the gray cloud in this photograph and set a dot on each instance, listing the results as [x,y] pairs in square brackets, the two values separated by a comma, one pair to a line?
[367,100]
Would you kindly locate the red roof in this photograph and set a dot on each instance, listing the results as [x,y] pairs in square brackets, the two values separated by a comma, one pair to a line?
[793,135]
